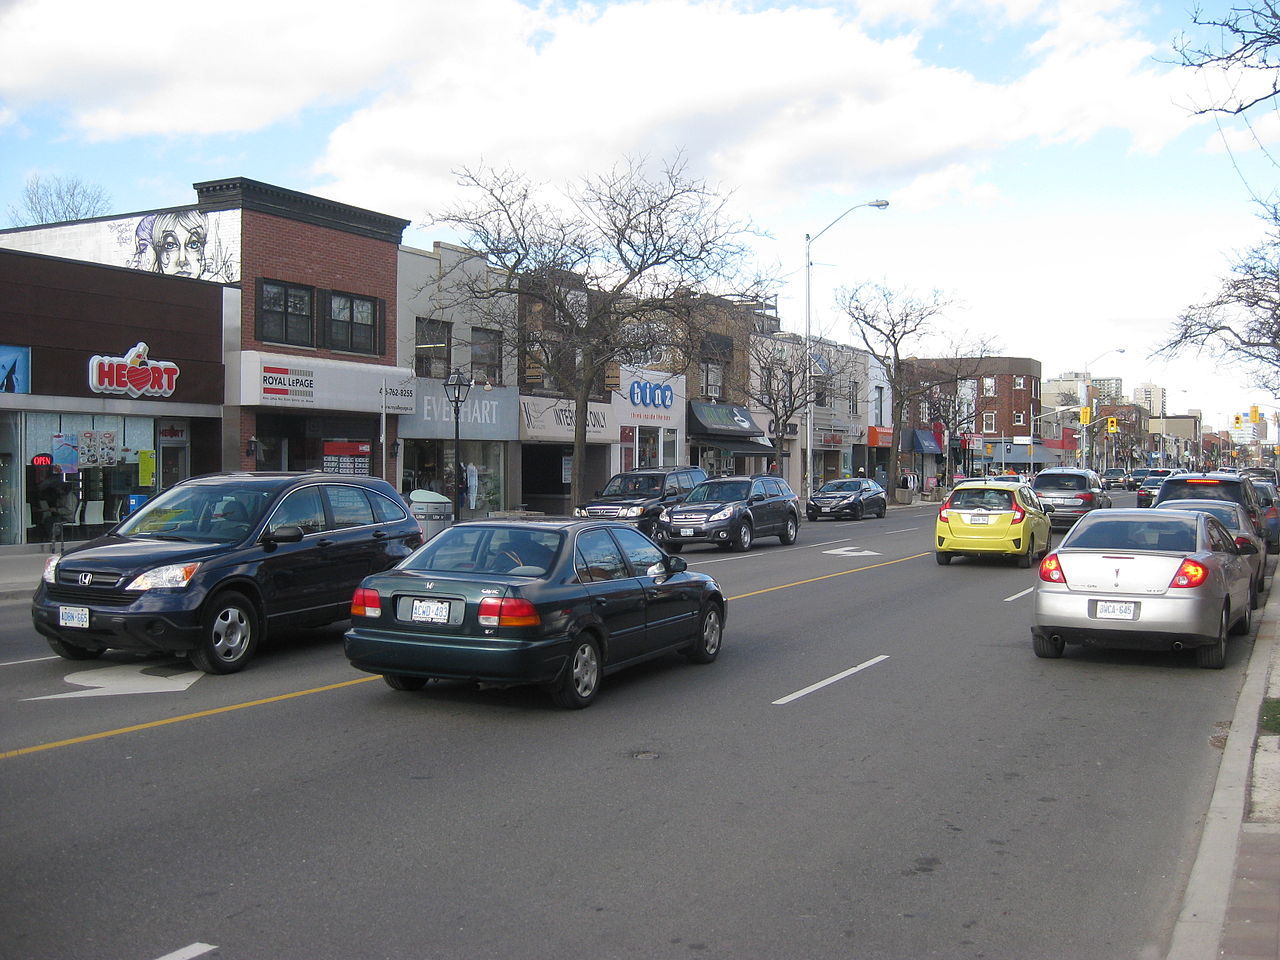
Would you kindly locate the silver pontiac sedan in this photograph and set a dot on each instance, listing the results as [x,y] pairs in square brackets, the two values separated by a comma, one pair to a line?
[1145,579]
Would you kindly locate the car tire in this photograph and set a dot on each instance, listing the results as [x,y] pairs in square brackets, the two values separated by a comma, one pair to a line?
[884,510]
[398,681]
[228,636]
[69,651]
[942,557]
[672,547]
[1244,624]
[1047,648]
[1024,559]
[1214,656]
[811,517]
[1255,594]
[742,539]
[857,511]
[580,681]
[706,646]
[790,530]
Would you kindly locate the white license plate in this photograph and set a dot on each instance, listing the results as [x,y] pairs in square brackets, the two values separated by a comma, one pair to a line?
[73,617]
[1115,610]
[686,531]
[979,518]
[430,611]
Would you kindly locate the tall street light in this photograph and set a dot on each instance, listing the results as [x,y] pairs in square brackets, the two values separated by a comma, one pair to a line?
[808,345]
[456,388]
[1087,401]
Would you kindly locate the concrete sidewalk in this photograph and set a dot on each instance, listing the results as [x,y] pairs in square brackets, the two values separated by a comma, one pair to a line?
[1231,907]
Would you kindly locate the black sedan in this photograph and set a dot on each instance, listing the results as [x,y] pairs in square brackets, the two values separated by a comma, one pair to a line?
[853,498]
[556,602]
[1148,490]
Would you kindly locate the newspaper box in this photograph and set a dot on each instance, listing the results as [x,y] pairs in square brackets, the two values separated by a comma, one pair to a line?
[433,511]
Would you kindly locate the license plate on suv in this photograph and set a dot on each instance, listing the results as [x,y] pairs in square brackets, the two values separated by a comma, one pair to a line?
[73,617]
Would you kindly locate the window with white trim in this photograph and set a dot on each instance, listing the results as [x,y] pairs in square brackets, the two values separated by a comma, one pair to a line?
[989,422]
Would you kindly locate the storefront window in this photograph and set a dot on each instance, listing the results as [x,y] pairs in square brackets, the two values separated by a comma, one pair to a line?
[647,441]
[13,512]
[670,449]
[430,465]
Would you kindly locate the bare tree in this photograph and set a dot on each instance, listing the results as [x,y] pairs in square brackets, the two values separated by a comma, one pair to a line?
[607,270]
[57,199]
[1247,44]
[1241,325]
[894,327]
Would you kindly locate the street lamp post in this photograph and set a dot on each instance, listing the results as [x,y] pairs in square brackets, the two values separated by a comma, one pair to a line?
[456,388]
[1087,400]
[808,345]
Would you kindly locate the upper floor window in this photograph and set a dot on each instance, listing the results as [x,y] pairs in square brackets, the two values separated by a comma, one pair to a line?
[486,356]
[1019,383]
[1019,419]
[988,386]
[712,379]
[286,314]
[853,398]
[989,422]
[877,406]
[352,323]
[820,395]
[431,348]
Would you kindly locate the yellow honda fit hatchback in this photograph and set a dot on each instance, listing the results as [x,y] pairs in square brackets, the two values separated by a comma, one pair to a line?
[993,517]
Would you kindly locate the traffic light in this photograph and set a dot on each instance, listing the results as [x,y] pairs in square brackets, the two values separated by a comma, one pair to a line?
[1113,425]
[1238,421]
[1254,415]
[1086,416]
[989,448]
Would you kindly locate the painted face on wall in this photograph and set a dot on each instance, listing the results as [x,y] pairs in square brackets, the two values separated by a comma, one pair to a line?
[178,247]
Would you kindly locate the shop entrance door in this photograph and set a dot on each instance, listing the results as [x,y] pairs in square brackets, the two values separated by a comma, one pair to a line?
[174,465]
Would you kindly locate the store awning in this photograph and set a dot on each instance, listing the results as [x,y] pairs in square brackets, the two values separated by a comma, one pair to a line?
[721,420]
[738,446]
[925,442]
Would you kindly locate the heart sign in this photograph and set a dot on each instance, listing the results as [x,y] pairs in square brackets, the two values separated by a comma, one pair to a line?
[134,373]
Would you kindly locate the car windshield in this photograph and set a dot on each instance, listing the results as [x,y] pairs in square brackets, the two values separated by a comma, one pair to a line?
[632,484]
[1061,481]
[976,498]
[843,486]
[207,513]
[519,551]
[1157,533]
[1223,510]
[719,491]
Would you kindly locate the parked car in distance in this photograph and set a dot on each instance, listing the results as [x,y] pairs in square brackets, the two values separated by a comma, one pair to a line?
[997,518]
[1213,486]
[640,496]
[1269,504]
[1144,579]
[557,602]
[1115,477]
[849,499]
[1071,491]
[732,512]
[208,567]
[1236,519]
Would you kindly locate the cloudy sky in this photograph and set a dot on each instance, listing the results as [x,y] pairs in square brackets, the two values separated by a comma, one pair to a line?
[1042,159]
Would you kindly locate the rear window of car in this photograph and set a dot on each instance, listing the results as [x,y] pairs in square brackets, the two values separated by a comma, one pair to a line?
[979,499]
[1061,481]
[1227,513]
[1157,533]
[1183,488]
[487,550]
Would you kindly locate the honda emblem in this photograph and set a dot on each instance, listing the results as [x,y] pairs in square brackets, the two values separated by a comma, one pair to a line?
[86,579]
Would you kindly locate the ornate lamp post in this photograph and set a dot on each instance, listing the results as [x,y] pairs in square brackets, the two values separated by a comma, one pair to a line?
[456,388]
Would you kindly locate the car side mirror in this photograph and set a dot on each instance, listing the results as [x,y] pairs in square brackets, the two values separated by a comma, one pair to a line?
[756,498]
[285,533]
[1048,507]
[677,564]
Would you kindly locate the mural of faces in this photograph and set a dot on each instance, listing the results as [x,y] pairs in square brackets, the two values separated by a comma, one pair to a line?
[173,243]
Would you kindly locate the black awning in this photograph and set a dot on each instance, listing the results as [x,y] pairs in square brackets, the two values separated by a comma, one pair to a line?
[722,420]
[738,446]
[926,442]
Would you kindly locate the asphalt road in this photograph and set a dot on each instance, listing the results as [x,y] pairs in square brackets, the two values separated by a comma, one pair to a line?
[954,797]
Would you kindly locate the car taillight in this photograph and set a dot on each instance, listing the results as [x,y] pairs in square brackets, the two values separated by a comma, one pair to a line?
[1018,514]
[508,612]
[1051,570]
[942,512]
[1086,497]
[366,603]
[1190,574]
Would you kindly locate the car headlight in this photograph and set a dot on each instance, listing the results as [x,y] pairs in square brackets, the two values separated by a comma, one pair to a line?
[851,499]
[724,513]
[174,575]
[665,516]
[579,511]
[633,512]
[50,574]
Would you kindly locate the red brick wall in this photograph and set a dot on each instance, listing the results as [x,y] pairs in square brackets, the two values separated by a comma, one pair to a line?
[280,249]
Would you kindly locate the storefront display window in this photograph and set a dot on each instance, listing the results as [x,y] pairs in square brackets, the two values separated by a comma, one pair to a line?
[12,510]
[430,465]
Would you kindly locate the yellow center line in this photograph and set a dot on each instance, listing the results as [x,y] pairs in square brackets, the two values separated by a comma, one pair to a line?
[186,716]
[88,738]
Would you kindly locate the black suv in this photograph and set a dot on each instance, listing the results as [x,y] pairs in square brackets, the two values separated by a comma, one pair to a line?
[207,566]
[640,496]
[732,512]
[1214,486]
[1071,491]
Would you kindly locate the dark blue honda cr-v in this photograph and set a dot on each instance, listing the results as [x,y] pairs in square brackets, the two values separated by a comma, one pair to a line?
[208,566]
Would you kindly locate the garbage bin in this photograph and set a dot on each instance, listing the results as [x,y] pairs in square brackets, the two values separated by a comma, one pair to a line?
[433,511]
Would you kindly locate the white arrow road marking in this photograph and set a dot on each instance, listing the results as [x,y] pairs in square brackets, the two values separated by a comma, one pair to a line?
[122,679]
[851,552]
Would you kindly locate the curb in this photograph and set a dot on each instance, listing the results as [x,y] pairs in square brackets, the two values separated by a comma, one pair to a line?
[1198,929]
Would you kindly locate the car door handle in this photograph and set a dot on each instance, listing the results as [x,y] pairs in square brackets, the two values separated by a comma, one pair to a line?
[379,535]
[324,543]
